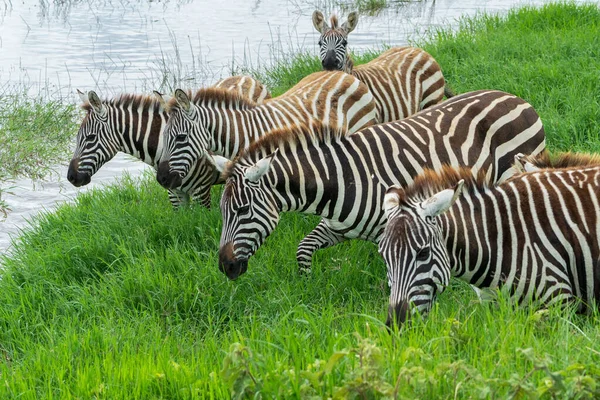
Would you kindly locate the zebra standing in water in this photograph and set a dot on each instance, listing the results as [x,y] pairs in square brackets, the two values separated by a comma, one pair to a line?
[218,121]
[133,124]
[344,178]
[537,234]
[403,80]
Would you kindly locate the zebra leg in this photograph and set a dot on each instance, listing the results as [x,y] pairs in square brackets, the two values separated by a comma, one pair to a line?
[320,238]
[178,198]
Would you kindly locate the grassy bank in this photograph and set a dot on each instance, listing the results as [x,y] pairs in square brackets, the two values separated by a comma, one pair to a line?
[117,296]
[34,135]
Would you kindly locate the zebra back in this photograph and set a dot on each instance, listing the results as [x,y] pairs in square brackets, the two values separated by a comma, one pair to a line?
[537,234]
[403,80]
[344,178]
[246,86]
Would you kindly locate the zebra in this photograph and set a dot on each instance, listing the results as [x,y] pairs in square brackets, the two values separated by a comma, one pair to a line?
[403,80]
[343,179]
[537,234]
[133,124]
[217,121]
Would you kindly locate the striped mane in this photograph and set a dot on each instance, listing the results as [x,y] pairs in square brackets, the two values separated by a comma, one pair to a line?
[333,20]
[215,95]
[287,137]
[564,160]
[430,182]
[128,100]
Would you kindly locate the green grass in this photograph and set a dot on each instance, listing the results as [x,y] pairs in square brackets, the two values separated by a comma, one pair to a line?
[118,296]
[34,136]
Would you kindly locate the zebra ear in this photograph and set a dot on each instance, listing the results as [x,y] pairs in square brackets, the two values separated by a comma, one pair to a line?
[522,165]
[319,22]
[163,99]
[95,102]
[258,170]
[351,23]
[392,199]
[82,96]
[182,99]
[219,162]
[441,201]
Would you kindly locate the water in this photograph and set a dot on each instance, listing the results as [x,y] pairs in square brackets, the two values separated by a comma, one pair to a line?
[113,47]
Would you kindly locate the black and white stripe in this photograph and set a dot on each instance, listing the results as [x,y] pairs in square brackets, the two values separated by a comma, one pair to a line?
[537,234]
[344,178]
[133,124]
[403,80]
[217,121]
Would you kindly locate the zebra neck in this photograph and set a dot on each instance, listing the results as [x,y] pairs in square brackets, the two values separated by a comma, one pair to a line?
[138,131]
[471,235]
[349,66]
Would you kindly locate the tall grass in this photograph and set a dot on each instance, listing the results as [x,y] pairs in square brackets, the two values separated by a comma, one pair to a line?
[34,135]
[118,296]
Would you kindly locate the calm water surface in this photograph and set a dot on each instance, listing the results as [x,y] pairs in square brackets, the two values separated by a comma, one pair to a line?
[51,48]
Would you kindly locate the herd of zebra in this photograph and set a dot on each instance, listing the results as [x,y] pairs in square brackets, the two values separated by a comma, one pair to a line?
[462,187]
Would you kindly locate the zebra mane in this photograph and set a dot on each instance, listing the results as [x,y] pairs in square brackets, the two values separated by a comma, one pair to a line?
[564,160]
[133,100]
[333,20]
[284,138]
[430,182]
[215,95]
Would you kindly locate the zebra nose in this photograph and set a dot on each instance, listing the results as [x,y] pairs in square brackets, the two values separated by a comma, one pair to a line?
[228,264]
[329,62]
[167,178]
[75,177]
[398,314]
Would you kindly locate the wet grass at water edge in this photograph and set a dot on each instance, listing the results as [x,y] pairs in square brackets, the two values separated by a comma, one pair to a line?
[118,296]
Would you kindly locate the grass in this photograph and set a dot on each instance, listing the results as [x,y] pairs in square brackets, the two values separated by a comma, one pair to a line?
[117,296]
[34,135]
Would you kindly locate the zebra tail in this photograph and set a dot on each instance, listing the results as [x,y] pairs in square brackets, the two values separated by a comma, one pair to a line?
[448,93]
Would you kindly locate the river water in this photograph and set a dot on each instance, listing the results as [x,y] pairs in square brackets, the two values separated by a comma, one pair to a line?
[51,48]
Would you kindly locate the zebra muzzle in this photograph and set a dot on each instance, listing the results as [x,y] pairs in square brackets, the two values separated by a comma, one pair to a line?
[76,177]
[228,264]
[166,177]
[398,314]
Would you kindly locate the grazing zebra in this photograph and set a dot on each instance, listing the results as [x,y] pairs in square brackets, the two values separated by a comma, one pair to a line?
[223,123]
[403,80]
[133,124]
[537,234]
[344,178]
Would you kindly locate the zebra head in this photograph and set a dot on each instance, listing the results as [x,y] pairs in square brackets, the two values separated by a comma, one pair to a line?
[412,245]
[250,213]
[97,142]
[185,141]
[333,42]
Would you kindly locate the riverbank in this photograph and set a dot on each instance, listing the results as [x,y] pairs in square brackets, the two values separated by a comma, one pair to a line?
[117,296]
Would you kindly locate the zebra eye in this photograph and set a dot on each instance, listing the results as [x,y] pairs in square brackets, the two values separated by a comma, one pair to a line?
[423,254]
[344,42]
[243,209]
[181,138]
[320,42]
[91,137]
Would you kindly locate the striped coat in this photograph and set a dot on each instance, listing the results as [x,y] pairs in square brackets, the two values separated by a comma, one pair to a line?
[133,124]
[344,178]
[537,234]
[403,80]
[217,121]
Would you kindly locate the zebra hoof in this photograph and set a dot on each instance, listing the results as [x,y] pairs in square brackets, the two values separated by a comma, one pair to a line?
[304,271]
